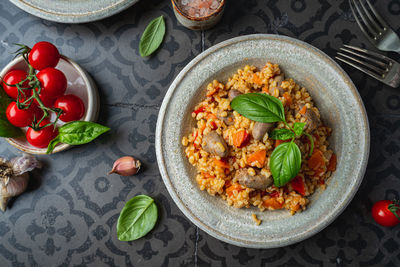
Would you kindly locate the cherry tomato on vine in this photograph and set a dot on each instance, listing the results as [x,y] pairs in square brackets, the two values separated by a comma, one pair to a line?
[72,106]
[14,77]
[384,212]
[53,82]
[43,55]
[41,138]
[22,117]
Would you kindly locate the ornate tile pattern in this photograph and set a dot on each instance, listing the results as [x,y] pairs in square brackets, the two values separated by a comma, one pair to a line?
[69,215]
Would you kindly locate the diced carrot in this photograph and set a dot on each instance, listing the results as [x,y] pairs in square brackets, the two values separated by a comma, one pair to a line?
[241,138]
[211,116]
[332,163]
[288,98]
[298,185]
[316,160]
[200,109]
[265,89]
[258,156]
[256,79]
[278,142]
[272,203]
[303,110]
[222,163]
[233,187]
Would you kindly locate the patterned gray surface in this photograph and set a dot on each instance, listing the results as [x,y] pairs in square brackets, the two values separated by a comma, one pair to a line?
[69,215]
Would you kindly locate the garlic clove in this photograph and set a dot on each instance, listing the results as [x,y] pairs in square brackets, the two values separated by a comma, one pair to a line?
[126,166]
[16,186]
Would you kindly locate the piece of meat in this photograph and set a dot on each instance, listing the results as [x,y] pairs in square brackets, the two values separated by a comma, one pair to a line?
[312,119]
[279,79]
[215,144]
[260,129]
[229,119]
[257,181]
[233,93]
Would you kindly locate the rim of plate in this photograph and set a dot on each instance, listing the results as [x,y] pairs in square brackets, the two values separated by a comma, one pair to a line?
[92,105]
[83,17]
[331,215]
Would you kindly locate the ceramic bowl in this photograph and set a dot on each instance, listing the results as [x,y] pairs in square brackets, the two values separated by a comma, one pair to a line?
[79,84]
[341,108]
[201,23]
[73,11]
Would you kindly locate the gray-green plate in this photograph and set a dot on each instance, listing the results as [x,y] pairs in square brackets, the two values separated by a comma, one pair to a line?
[73,11]
[334,94]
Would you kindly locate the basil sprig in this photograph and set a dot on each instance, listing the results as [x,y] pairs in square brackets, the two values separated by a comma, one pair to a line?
[152,37]
[137,218]
[77,133]
[6,128]
[285,162]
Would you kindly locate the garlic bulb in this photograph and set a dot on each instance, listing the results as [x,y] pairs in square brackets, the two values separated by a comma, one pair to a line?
[14,177]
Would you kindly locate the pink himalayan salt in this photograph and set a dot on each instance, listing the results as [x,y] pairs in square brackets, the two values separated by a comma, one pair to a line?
[198,8]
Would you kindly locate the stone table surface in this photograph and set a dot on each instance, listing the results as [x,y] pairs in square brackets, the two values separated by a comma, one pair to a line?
[68,217]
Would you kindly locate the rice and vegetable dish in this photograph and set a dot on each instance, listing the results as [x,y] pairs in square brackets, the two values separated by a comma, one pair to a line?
[259,141]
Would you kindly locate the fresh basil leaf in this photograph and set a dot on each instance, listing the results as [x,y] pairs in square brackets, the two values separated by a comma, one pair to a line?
[281,134]
[137,218]
[285,163]
[259,107]
[77,133]
[52,145]
[152,37]
[6,128]
[311,141]
[298,128]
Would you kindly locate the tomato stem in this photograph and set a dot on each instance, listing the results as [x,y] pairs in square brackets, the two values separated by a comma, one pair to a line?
[394,208]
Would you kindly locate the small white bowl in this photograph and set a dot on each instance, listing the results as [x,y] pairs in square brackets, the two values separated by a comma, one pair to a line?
[79,84]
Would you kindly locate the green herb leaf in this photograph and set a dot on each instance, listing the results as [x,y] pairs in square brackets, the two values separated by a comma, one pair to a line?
[259,107]
[6,128]
[298,128]
[281,134]
[137,218]
[152,37]
[311,142]
[77,133]
[285,163]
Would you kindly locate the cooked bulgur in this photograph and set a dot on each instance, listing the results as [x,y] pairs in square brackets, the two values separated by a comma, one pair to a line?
[217,170]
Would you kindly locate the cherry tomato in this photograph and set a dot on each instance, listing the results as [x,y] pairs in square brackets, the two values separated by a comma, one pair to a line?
[43,55]
[72,106]
[48,101]
[14,77]
[383,216]
[41,138]
[53,82]
[22,117]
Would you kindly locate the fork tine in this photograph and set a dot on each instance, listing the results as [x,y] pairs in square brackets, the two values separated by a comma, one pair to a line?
[369,52]
[361,25]
[372,67]
[377,62]
[370,73]
[376,14]
[365,20]
[375,24]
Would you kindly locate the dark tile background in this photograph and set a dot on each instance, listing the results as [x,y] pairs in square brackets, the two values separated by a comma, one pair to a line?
[68,217]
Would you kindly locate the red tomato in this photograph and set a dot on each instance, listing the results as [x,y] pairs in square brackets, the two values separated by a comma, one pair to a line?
[383,216]
[72,106]
[14,77]
[22,117]
[53,82]
[48,101]
[41,138]
[43,55]
[298,185]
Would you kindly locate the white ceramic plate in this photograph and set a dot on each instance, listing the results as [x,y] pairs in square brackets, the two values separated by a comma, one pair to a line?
[334,94]
[79,84]
[73,11]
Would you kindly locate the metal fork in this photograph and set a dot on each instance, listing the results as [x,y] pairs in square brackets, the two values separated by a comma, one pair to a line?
[376,65]
[377,31]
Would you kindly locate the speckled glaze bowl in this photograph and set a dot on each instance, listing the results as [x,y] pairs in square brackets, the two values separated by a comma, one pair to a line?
[79,83]
[341,108]
[73,11]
